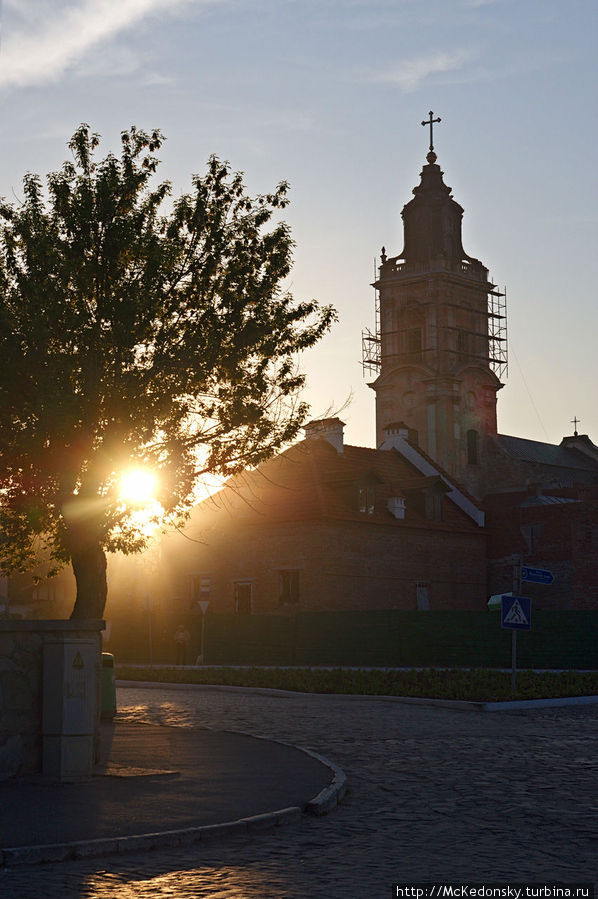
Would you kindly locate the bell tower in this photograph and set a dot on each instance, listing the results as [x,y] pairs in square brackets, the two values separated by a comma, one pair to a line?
[439,349]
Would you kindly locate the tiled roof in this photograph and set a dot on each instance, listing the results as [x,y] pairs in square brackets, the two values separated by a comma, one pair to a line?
[310,481]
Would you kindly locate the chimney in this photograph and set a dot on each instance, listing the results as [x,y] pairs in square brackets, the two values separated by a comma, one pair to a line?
[330,429]
[397,429]
[396,506]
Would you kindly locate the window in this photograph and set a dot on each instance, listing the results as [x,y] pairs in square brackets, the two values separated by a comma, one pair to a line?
[472,447]
[422,595]
[288,587]
[531,534]
[366,497]
[413,342]
[433,505]
[243,597]
[462,344]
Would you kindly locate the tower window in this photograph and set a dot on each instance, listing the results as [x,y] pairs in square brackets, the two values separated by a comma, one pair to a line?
[462,344]
[413,342]
[472,447]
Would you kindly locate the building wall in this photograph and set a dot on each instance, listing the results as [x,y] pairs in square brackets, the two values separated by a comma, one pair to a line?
[341,565]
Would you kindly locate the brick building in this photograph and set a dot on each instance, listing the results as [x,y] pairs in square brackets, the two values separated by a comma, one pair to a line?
[327,526]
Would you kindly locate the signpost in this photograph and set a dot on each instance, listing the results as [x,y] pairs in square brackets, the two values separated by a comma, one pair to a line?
[516,610]
[537,575]
[203,605]
[516,614]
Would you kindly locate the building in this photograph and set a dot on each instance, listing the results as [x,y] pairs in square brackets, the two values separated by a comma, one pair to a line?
[326,526]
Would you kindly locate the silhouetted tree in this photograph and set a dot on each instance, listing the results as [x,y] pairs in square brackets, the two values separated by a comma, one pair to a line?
[133,335]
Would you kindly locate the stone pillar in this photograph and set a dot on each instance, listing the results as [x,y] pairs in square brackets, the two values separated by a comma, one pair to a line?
[69,707]
[35,690]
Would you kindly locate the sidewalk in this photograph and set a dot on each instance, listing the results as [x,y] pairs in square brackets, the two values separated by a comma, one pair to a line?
[162,786]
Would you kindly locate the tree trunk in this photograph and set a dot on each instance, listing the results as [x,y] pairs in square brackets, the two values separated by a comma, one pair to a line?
[89,566]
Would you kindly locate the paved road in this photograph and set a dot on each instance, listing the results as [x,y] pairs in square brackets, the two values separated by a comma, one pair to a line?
[436,795]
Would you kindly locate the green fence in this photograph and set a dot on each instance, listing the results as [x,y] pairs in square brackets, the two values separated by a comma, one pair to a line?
[558,639]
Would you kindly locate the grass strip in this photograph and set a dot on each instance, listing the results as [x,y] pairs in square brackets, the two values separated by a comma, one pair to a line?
[478,685]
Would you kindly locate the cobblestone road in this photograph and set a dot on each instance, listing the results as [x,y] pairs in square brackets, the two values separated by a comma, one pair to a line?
[435,795]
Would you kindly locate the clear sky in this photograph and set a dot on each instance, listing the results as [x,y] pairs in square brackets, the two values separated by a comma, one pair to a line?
[329,94]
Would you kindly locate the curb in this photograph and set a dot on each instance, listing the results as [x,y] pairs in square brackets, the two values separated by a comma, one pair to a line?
[60,852]
[464,704]
[330,796]
[327,799]
[539,703]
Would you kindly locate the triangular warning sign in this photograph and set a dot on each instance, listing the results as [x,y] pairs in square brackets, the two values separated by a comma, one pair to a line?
[78,662]
[516,614]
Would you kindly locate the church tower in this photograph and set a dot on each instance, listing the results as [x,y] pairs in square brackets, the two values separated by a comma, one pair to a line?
[440,344]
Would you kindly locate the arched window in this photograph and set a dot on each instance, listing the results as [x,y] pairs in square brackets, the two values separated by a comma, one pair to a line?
[472,447]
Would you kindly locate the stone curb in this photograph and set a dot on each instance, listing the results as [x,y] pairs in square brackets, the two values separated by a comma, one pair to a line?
[330,796]
[467,705]
[325,801]
[59,852]
[539,703]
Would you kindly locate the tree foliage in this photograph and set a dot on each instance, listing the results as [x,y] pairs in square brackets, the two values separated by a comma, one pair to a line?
[137,329]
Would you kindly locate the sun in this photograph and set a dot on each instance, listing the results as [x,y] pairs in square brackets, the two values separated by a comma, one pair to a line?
[138,487]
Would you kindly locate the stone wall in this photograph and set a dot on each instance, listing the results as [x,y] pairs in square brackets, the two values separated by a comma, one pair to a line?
[21,687]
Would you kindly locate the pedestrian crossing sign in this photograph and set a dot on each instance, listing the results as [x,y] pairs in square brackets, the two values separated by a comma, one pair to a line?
[516,612]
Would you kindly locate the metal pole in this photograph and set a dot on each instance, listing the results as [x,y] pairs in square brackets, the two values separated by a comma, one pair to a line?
[516,591]
[203,624]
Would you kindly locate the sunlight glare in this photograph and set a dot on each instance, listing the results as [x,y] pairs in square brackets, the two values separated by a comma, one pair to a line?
[138,486]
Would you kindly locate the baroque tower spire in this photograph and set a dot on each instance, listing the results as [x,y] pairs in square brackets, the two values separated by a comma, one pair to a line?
[441,348]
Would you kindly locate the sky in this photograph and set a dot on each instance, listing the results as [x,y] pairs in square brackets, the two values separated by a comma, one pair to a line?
[329,95]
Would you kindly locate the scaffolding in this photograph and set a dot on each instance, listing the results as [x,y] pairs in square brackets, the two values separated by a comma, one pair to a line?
[494,319]
[497,333]
[371,356]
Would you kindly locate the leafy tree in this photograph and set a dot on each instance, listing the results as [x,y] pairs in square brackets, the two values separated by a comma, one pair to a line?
[130,335]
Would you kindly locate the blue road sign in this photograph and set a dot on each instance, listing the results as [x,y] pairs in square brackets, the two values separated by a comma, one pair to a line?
[516,613]
[537,575]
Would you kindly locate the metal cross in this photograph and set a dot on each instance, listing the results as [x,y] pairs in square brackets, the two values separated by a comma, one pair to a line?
[430,122]
[576,421]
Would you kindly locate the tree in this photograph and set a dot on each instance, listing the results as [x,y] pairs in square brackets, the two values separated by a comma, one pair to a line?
[130,335]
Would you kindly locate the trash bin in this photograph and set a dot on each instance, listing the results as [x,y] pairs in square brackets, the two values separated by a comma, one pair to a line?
[108,686]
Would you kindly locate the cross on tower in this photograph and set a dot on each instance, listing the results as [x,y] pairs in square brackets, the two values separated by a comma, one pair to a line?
[575,422]
[430,122]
